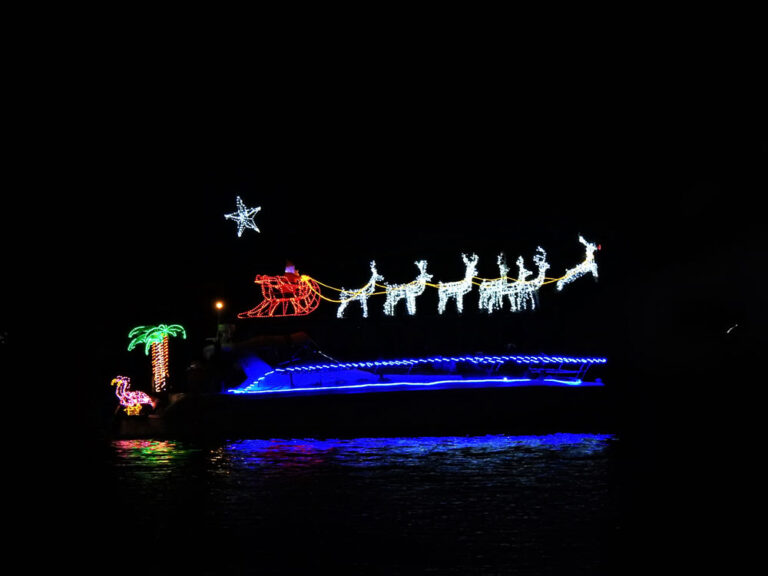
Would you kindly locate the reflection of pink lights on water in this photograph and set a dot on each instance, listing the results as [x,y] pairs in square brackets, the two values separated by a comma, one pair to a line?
[148,448]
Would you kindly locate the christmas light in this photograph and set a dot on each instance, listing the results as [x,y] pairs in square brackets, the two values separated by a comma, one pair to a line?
[131,400]
[408,292]
[588,265]
[361,295]
[523,293]
[540,260]
[515,290]
[287,295]
[551,365]
[295,295]
[520,359]
[501,382]
[243,217]
[448,290]
[492,291]
[155,338]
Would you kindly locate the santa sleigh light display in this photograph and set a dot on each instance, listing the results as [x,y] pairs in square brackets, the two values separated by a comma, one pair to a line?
[292,294]
[287,295]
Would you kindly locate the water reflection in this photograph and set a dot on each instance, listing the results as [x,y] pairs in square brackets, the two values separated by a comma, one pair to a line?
[356,453]
[150,452]
[370,504]
[368,451]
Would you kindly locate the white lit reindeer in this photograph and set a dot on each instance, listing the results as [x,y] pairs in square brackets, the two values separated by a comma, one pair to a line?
[491,291]
[521,292]
[588,265]
[448,290]
[409,292]
[360,295]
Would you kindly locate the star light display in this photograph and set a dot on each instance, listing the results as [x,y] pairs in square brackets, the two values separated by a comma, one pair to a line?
[243,217]
[155,338]
[130,400]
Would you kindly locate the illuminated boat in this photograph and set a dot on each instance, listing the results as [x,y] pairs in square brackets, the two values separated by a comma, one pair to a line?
[478,394]
[430,373]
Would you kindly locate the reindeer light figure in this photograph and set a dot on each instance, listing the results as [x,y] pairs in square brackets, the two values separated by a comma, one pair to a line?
[448,290]
[522,294]
[516,290]
[588,265]
[131,400]
[492,291]
[361,295]
[409,292]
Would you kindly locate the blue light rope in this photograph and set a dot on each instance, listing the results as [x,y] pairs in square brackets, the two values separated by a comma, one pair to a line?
[444,359]
[436,383]
[517,359]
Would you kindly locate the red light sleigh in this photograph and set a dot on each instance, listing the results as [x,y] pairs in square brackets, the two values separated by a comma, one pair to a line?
[286,295]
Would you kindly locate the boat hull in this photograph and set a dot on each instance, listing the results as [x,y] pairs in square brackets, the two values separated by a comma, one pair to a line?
[514,410]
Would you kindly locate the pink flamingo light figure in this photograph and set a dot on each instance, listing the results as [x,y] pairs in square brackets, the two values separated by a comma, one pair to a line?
[131,400]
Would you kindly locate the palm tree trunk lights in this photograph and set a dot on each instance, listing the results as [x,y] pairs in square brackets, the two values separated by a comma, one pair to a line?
[155,338]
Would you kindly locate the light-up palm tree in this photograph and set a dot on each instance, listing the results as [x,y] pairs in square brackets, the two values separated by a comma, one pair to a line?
[155,338]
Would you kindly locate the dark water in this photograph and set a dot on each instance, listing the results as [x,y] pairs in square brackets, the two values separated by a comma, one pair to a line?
[444,505]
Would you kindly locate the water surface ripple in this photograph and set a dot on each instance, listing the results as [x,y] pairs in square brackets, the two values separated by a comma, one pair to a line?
[443,505]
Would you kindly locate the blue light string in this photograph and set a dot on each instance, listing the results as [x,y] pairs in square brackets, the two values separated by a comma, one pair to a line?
[438,383]
[443,359]
[518,359]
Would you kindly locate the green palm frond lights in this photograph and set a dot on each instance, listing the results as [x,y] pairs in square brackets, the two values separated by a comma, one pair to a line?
[149,335]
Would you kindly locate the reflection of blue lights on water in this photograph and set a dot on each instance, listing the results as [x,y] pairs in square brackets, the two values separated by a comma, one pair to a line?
[366,452]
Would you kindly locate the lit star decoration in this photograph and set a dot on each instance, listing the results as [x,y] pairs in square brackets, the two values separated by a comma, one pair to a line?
[243,217]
